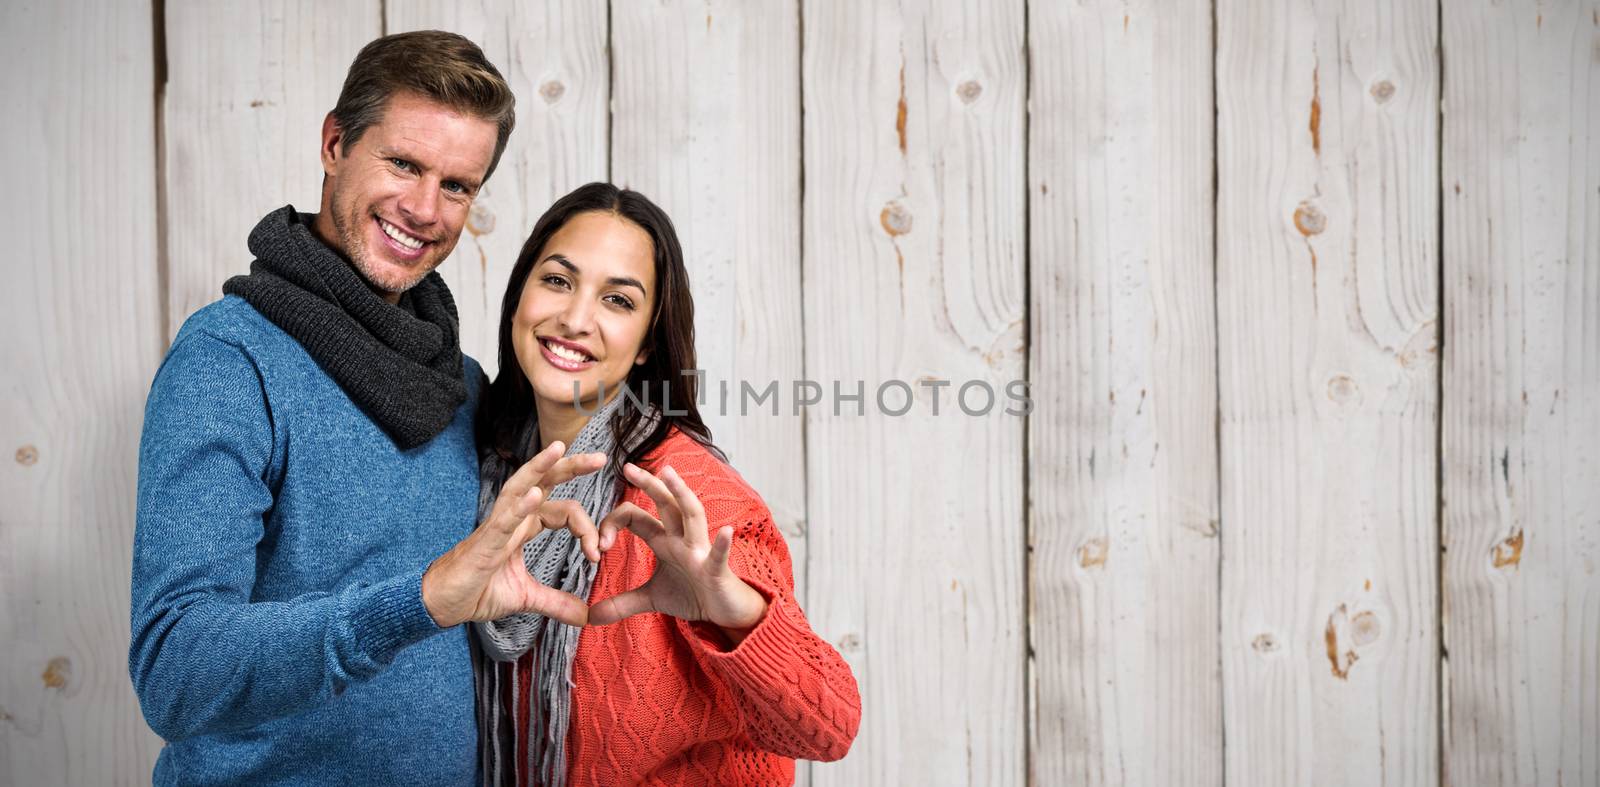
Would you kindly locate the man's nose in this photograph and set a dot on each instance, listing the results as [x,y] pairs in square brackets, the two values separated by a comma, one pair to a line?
[420,202]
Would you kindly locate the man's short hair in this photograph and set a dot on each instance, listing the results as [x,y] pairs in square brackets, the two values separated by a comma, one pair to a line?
[442,67]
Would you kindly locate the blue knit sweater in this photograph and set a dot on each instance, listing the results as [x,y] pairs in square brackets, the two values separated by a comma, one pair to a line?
[279,635]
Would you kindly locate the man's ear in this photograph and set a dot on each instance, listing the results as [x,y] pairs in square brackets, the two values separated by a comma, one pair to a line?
[332,145]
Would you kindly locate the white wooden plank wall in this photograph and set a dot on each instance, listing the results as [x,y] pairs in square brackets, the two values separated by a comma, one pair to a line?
[1327,304]
[706,123]
[1521,480]
[248,84]
[81,314]
[554,57]
[914,250]
[1122,448]
[1211,555]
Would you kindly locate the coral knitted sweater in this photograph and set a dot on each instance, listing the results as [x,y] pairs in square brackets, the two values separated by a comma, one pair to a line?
[663,702]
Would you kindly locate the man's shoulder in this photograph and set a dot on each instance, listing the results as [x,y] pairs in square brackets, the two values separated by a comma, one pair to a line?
[232,321]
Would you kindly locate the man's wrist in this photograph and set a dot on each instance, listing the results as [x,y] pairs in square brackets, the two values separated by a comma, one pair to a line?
[430,596]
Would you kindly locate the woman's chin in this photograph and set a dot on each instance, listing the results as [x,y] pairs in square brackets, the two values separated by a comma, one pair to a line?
[560,393]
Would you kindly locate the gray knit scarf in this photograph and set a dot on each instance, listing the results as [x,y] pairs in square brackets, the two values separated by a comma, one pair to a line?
[556,559]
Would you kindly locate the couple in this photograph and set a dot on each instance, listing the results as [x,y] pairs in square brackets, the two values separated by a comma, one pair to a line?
[357,561]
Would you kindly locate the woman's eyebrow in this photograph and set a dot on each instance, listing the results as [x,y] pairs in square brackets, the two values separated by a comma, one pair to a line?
[615,281]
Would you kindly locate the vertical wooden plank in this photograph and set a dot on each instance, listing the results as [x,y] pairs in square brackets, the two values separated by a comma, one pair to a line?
[1522,392]
[914,270]
[248,85]
[707,123]
[1327,226]
[81,310]
[554,57]
[1123,446]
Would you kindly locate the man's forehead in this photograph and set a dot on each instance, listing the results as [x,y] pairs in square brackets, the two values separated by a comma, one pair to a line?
[413,127]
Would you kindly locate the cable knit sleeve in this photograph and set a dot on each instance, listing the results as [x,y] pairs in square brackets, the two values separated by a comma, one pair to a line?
[798,697]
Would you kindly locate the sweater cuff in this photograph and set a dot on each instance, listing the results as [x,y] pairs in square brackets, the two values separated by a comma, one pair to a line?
[390,616]
[766,655]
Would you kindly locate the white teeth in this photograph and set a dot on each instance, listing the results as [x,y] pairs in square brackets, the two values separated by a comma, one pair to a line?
[566,352]
[398,236]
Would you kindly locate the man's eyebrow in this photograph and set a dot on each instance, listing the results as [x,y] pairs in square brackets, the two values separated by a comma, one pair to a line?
[615,281]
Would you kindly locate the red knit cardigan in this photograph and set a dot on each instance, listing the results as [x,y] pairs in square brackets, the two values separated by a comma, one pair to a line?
[663,702]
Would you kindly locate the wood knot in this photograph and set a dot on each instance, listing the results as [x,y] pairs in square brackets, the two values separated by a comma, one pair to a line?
[480,221]
[57,673]
[1340,661]
[27,456]
[1364,629]
[896,220]
[1508,552]
[849,643]
[552,91]
[1094,552]
[1309,220]
[969,91]
[1383,91]
[1264,643]
[1343,390]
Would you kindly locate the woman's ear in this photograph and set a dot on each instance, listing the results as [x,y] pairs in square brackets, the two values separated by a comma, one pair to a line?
[644,355]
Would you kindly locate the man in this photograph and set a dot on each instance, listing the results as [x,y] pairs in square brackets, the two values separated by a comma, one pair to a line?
[305,549]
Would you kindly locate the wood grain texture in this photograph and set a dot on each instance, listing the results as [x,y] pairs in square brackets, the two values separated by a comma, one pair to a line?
[554,57]
[1125,684]
[81,313]
[1327,299]
[707,124]
[248,85]
[914,270]
[1521,472]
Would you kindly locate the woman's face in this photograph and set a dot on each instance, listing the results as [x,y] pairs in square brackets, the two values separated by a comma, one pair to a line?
[586,308]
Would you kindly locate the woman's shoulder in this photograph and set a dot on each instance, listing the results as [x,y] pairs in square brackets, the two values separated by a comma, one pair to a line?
[724,493]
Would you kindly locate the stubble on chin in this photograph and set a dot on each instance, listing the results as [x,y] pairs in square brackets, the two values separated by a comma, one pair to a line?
[349,228]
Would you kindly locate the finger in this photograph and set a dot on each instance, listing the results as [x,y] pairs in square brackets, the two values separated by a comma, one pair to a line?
[571,467]
[557,604]
[569,514]
[612,523]
[720,548]
[507,520]
[658,492]
[694,515]
[620,607]
[636,520]
[533,470]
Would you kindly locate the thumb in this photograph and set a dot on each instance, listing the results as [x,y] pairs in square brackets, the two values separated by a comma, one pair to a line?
[720,548]
[621,607]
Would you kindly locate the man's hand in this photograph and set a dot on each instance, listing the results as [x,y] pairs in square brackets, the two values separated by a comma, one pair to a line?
[483,577]
[692,580]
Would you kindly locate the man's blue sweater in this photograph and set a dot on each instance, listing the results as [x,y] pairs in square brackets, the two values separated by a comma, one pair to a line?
[279,635]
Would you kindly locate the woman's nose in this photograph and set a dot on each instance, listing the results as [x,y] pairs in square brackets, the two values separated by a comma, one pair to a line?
[576,316]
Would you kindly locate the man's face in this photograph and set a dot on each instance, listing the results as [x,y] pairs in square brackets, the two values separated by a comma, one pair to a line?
[398,198]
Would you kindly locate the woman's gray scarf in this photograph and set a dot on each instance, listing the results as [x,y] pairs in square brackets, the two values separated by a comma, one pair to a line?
[556,559]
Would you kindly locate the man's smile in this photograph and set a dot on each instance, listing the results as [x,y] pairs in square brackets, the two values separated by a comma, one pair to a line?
[409,243]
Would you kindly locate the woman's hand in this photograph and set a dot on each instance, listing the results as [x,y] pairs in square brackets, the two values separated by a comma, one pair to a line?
[692,580]
[483,577]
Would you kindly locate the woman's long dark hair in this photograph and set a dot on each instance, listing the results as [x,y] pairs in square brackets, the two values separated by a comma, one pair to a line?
[508,401]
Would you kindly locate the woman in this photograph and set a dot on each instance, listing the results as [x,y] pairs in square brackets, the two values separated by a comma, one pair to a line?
[698,666]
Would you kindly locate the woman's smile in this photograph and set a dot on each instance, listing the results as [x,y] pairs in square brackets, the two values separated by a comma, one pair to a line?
[567,356]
